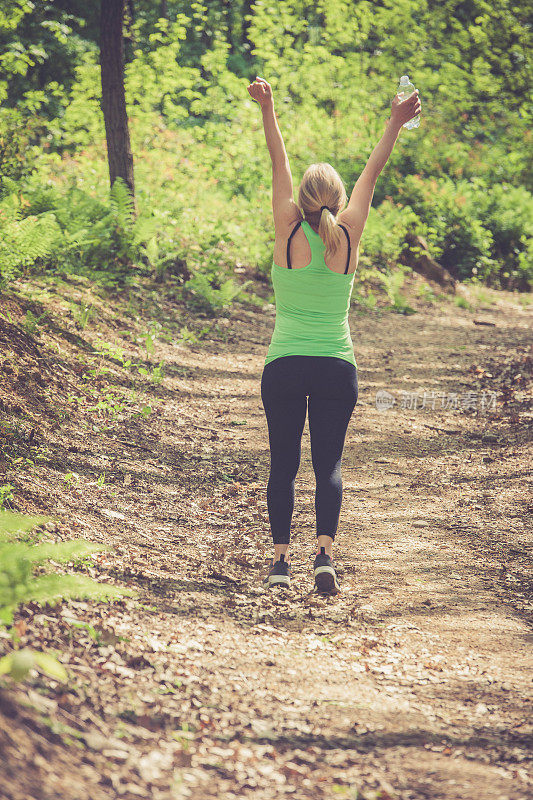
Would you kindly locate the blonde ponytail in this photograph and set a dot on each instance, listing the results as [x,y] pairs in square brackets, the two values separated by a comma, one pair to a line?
[321,197]
[329,232]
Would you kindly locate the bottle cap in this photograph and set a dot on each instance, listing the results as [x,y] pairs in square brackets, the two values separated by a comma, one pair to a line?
[404,80]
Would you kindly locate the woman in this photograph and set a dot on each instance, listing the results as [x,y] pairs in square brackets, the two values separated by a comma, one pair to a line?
[310,362]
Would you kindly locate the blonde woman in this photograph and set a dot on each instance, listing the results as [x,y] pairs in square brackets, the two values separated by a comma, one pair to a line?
[310,364]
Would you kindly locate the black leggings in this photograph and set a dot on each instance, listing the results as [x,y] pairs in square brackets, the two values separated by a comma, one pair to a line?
[331,385]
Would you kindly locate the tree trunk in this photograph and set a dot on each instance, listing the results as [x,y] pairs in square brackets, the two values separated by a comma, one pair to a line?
[227,6]
[421,261]
[246,16]
[119,155]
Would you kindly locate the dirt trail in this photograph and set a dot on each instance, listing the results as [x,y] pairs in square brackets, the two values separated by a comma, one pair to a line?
[412,683]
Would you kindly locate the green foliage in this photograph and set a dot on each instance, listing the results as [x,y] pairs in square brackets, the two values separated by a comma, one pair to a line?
[44,228]
[364,302]
[18,132]
[208,297]
[475,230]
[6,495]
[155,374]
[83,315]
[461,302]
[40,44]
[25,240]
[507,211]
[18,663]
[393,283]
[187,336]
[123,215]
[18,583]
[202,171]
[157,77]
[426,292]
[384,235]
[122,205]
[31,322]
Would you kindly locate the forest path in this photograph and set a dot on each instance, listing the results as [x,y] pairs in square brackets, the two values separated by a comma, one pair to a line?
[412,683]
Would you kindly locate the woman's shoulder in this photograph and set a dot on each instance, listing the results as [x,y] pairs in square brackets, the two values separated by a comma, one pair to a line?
[353,232]
[286,219]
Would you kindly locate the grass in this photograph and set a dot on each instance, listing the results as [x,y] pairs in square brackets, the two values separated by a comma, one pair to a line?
[461,302]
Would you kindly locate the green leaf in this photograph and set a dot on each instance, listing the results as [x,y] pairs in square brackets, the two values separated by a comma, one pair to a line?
[12,523]
[72,550]
[46,588]
[50,665]
[18,663]
[152,251]
[5,664]
[6,614]
[149,344]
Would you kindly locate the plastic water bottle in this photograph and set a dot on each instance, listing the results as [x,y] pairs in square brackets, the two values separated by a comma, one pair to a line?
[407,88]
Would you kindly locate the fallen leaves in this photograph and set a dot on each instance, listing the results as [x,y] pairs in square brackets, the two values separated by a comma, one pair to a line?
[210,686]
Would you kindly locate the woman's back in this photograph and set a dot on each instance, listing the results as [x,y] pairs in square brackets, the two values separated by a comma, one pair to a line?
[301,252]
[312,303]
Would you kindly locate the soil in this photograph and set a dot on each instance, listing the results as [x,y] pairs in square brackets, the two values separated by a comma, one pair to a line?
[414,682]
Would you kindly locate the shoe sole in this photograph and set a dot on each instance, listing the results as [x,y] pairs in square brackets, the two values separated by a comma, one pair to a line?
[326,580]
[277,580]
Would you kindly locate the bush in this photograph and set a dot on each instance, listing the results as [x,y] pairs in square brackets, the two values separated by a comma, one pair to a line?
[476,231]
[207,297]
[508,214]
[17,153]
[384,236]
[393,282]
[43,228]
[25,239]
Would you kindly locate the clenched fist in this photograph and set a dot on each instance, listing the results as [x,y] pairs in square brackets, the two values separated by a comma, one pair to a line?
[261,91]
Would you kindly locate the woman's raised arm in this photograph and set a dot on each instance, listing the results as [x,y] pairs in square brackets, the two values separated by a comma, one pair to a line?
[284,208]
[356,212]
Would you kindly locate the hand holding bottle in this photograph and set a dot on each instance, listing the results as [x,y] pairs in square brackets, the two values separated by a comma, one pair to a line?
[403,110]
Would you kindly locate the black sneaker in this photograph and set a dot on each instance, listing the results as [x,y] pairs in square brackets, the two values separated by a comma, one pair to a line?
[325,576]
[279,575]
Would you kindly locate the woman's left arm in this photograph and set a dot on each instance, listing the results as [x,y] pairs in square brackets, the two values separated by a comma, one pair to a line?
[284,208]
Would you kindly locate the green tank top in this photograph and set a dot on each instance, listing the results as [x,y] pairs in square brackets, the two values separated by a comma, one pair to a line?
[312,305]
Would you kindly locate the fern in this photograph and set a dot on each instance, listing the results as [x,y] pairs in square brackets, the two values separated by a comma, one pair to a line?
[72,231]
[144,230]
[229,291]
[47,588]
[122,204]
[8,185]
[13,525]
[25,241]
[205,296]
[59,551]
[18,584]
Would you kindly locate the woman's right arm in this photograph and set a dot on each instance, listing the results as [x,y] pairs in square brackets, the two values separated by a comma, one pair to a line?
[356,212]
[284,209]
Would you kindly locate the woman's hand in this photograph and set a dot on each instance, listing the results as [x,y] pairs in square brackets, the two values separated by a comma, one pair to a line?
[261,91]
[404,110]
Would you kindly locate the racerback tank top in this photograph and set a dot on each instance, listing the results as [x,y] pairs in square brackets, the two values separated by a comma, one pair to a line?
[312,305]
